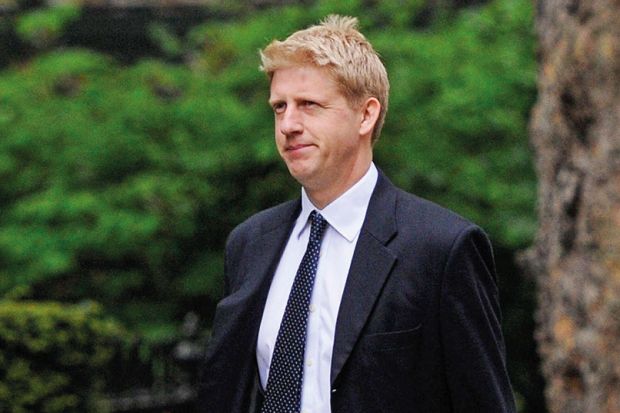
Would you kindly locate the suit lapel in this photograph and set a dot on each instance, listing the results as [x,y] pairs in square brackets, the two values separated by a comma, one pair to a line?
[371,264]
[244,307]
[266,251]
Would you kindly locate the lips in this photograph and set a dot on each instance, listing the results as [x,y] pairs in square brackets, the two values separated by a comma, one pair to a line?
[298,149]
[298,146]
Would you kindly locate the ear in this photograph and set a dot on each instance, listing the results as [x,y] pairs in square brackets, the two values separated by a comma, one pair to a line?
[370,113]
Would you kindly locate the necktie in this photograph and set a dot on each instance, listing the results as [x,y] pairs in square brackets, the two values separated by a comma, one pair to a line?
[283,394]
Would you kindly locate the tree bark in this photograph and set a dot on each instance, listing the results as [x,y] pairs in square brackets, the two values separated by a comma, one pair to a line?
[575,131]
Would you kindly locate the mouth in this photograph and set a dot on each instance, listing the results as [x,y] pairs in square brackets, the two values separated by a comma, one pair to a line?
[298,147]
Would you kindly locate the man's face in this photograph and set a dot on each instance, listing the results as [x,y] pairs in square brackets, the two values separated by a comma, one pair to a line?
[317,131]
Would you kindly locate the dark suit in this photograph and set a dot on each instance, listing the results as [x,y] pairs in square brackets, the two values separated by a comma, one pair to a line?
[418,328]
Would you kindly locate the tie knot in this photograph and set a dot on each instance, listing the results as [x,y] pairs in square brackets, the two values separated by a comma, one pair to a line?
[318,224]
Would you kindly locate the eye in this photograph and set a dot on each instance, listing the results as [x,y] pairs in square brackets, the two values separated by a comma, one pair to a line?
[308,103]
[278,107]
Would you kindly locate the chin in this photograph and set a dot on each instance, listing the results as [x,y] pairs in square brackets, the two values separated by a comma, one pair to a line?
[300,173]
[303,178]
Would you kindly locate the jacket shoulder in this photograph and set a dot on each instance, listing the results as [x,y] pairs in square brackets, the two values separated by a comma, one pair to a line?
[433,227]
[429,214]
[263,221]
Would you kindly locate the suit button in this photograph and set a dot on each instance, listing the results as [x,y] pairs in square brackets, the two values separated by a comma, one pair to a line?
[334,390]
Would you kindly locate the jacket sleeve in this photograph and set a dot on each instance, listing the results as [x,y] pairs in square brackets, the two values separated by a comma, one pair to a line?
[473,346]
[223,384]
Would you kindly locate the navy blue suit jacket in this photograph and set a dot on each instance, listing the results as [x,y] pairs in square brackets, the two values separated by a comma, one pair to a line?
[418,329]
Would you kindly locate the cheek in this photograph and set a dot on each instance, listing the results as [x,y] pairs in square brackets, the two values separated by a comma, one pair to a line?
[344,140]
[279,139]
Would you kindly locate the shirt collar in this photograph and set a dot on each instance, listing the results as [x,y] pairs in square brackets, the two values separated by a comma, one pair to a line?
[347,212]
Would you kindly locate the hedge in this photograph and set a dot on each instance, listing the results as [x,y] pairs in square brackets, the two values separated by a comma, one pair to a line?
[52,356]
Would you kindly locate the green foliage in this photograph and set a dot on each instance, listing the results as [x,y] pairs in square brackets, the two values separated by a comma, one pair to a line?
[51,356]
[456,132]
[167,40]
[121,183]
[43,27]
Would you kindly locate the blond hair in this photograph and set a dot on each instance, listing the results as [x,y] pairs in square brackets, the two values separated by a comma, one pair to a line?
[337,45]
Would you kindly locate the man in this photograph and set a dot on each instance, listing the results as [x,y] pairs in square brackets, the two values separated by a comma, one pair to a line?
[358,297]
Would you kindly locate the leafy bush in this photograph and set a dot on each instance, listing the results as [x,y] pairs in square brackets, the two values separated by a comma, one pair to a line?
[120,183]
[51,356]
[43,27]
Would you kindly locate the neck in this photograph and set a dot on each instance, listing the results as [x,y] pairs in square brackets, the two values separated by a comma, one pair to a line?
[321,197]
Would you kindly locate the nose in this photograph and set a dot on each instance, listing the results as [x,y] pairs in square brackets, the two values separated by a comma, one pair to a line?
[290,122]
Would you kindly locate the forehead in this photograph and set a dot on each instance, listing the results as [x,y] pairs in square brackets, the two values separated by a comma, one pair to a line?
[309,80]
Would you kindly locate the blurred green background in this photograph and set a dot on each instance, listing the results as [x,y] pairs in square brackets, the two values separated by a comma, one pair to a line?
[134,138]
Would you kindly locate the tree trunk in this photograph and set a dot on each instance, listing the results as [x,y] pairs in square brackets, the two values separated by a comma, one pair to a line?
[575,131]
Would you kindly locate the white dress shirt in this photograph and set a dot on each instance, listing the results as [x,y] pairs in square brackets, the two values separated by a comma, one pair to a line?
[345,217]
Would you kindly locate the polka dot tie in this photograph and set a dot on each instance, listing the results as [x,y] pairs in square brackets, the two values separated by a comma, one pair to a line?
[283,394]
